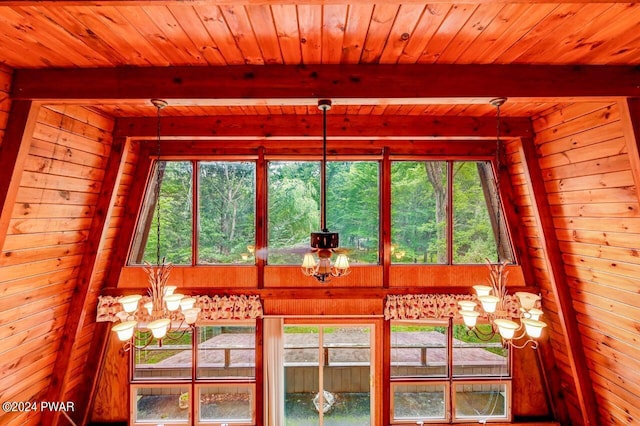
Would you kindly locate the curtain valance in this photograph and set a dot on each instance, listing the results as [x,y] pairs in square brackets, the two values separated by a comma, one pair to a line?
[234,307]
[435,306]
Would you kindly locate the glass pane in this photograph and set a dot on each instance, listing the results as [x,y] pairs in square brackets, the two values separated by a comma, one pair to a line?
[418,211]
[294,209]
[159,404]
[473,355]
[176,194]
[301,361]
[418,350]
[226,213]
[418,402]
[353,207]
[226,351]
[226,403]
[171,359]
[480,401]
[346,376]
[474,238]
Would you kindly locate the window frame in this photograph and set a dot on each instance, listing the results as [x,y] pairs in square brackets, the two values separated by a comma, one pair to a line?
[451,380]
[194,383]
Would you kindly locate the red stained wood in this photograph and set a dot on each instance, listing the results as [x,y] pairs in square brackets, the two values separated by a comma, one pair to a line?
[554,263]
[338,82]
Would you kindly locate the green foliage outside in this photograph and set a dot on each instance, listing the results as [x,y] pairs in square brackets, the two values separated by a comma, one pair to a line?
[226,217]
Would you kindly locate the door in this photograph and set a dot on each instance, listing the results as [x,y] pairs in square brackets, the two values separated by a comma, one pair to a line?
[328,375]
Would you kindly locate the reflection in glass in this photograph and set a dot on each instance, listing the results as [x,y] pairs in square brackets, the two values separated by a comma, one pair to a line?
[160,404]
[480,400]
[475,357]
[226,403]
[418,402]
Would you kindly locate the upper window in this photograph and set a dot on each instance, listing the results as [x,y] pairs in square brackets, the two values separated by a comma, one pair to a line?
[423,231]
[225,216]
[226,211]
[442,212]
[175,212]
[294,208]
[419,199]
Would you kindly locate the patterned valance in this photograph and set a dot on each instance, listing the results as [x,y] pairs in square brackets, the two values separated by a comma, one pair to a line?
[212,308]
[435,306]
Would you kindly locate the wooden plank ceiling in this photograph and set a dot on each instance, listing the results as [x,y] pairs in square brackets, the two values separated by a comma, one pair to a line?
[110,33]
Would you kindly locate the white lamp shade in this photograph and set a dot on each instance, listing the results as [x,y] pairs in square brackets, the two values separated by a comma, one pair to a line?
[482,290]
[309,262]
[506,328]
[533,327]
[130,303]
[191,315]
[149,307]
[466,305]
[125,330]
[187,303]
[169,289]
[342,262]
[159,327]
[173,301]
[489,303]
[527,300]
[469,317]
[534,314]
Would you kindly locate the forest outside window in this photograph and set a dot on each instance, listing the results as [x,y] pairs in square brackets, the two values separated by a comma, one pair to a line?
[423,231]
[224,193]
[442,212]
[294,208]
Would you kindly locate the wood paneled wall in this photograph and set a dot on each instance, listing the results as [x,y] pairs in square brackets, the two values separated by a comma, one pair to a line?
[43,251]
[5,103]
[582,152]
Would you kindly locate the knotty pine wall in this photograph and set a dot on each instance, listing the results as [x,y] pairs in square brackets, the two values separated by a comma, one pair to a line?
[43,253]
[582,152]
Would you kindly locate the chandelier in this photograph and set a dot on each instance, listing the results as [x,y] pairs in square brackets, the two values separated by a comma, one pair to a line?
[493,298]
[164,305]
[324,243]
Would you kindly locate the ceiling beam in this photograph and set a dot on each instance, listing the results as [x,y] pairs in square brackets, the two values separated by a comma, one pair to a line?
[350,84]
[270,2]
[14,151]
[300,127]
[558,282]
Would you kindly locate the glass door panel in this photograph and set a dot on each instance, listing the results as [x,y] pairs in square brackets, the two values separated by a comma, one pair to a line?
[327,375]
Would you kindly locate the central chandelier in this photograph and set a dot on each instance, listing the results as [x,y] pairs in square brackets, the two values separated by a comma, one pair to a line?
[324,243]
[493,298]
[163,305]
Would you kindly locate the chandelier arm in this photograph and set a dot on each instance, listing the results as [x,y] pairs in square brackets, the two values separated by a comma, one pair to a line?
[485,337]
[532,342]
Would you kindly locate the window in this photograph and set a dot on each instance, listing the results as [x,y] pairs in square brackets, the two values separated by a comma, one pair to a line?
[176,193]
[440,373]
[164,377]
[422,229]
[294,208]
[226,211]
[442,212]
[474,238]
[225,216]
[419,211]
